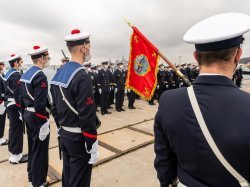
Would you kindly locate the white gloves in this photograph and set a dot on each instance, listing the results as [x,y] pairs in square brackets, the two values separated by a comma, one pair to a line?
[44,131]
[115,90]
[20,116]
[100,90]
[157,86]
[2,108]
[128,90]
[94,152]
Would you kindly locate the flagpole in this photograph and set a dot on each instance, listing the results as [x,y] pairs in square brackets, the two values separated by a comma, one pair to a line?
[185,79]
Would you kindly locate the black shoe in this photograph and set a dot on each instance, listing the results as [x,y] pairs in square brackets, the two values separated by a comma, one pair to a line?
[110,107]
[24,159]
[107,112]
[5,143]
[123,109]
[118,110]
[133,107]
[130,107]
[97,110]
[45,184]
[102,113]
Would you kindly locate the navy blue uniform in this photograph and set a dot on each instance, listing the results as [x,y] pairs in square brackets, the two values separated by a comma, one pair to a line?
[161,78]
[94,78]
[76,86]
[112,88]
[12,93]
[181,148]
[3,116]
[120,80]
[34,100]
[104,82]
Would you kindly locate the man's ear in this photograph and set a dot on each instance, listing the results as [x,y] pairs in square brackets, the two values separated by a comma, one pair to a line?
[238,55]
[195,55]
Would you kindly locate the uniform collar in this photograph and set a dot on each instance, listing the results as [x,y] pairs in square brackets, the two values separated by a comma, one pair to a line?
[214,80]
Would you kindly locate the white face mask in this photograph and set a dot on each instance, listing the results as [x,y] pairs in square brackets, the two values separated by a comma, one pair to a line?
[87,57]
[121,66]
[99,68]
[46,65]
[89,69]
[105,67]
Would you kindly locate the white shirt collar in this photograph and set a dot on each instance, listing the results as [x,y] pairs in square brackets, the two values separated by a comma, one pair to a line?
[211,74]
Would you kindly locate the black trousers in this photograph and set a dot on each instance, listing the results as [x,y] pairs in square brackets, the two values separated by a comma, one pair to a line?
[119,98]
[2,124]
[104,100]
[111,96]
[161,89]
[15,145]
[131,98]
[38,162]
[97,98]
[76,170]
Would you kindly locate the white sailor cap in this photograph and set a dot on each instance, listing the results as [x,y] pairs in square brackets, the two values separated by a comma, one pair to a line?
[77,38]
[222,31]
[38,52]
[2,62]
[87,64]
[118,62]
[14,57]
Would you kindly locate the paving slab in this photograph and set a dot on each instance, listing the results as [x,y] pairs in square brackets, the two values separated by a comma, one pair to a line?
[124,139]
[146,126]
[134,169]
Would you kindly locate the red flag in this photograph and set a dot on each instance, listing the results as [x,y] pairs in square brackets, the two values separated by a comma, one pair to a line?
[142,66]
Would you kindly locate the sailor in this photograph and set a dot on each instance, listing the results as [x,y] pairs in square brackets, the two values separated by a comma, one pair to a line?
[3,141]
[74,109]
[34,100]
[204,138]
[112,85]
[94,73]
[119,81]
[12,94]
[161,78]
[104,83]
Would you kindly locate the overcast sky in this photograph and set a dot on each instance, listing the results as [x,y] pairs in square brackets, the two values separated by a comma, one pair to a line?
[26,23]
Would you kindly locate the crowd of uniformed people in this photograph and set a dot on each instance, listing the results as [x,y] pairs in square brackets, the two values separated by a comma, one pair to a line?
[78,89]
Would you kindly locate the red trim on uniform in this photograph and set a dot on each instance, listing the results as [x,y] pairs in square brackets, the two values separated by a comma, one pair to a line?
[18,105]
[41,116]
[89,135]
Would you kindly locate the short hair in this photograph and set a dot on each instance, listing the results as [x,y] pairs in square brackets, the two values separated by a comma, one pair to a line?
[211,57]
[12,62]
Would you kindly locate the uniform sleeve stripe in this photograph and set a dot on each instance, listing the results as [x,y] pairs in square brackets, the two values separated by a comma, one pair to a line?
[41,116]
[18,105]
[89,135]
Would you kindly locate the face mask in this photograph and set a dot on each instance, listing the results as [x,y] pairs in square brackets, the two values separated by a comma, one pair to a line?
[89,69]
[121,66]
[99,68]
[105,67]
[46,65]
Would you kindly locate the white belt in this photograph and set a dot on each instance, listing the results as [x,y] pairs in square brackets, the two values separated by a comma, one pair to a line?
[30,109]
[11,102]
[72,129]
[10,99]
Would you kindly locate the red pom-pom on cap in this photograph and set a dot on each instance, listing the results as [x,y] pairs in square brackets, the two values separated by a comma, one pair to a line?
[75,31]
[12,55]
[36,47]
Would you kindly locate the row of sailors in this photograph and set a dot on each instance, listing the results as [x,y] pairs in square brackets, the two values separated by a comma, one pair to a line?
[28,107]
